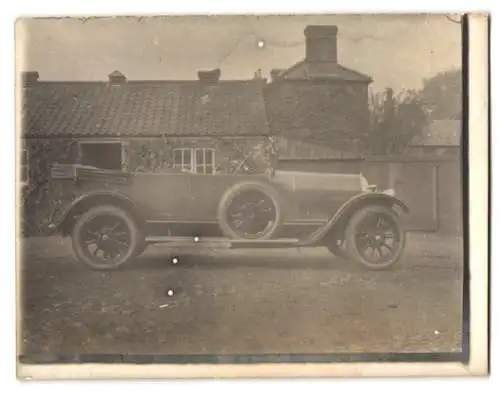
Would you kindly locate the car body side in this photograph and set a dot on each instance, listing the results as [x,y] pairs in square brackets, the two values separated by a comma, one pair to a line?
[320,202]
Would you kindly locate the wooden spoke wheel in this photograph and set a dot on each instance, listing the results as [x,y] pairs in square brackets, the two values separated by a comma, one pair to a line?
[375,237]
[251,214]
[250,211]
[106,237]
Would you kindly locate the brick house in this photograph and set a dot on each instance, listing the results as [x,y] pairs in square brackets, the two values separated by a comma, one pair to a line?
[204,125]
[319,108]
[316,111]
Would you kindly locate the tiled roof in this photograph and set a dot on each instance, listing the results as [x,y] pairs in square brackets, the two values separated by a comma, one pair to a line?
[327,70]
[291,148]
[440,133]
[143,108]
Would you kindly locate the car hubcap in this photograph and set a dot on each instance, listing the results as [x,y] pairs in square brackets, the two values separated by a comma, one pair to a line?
[105,239]
[251,214]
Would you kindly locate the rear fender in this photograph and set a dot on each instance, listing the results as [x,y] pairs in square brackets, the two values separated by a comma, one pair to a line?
[64,220]
[339,220]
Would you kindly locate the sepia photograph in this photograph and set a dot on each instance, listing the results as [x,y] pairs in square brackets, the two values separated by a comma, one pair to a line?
[242,189]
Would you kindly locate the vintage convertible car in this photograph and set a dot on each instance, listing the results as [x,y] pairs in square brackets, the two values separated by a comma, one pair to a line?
[117,214]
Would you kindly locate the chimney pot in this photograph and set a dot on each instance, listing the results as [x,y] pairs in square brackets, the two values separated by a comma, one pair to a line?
[209,77]
[321,43]
[321,30]
[117,77]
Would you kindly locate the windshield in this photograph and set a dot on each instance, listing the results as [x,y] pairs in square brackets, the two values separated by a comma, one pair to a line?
[262,158]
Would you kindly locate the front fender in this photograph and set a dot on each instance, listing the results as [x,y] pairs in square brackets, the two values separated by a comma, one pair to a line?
[59,217]
[349,207]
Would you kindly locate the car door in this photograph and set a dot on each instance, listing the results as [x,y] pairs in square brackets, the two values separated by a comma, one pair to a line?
[164,196]
[182,193]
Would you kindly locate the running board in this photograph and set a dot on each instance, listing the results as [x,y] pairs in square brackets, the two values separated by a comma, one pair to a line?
[220,242]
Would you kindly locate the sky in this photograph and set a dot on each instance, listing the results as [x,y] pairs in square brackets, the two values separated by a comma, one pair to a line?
[397,51]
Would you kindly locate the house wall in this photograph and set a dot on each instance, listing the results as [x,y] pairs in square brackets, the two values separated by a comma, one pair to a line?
[317,111]
[430,186]
[422,151]
[326,166]
[41,197]
[157,154]
[450,197]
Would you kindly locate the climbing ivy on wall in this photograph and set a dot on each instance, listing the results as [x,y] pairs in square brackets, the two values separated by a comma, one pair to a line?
[40,197]
[149,155]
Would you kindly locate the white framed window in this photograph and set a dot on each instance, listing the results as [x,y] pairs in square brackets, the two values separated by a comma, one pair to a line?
[182,159]
[108,155]
[24,164]
[195,160]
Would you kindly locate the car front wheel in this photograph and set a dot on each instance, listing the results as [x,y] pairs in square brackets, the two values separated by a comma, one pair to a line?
[106,237]
[375,237]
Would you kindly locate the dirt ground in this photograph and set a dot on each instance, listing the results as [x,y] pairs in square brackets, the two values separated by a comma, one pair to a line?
[241,302]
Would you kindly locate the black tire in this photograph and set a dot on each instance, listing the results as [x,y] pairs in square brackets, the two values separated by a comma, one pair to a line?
[126,242]
[268,211]
[362,234]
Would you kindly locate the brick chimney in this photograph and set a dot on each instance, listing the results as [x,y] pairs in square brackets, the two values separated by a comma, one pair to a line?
[209,77]
[321,43]
[29,78]
[117,77]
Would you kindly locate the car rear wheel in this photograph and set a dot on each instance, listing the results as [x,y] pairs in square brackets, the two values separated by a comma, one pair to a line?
[106,237]
[375,237]
[250,211]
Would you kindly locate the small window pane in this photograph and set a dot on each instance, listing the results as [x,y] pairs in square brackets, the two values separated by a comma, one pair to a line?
[187,158]
[199,156]
[102,155]
[197,160]
[177,157]
[209,156]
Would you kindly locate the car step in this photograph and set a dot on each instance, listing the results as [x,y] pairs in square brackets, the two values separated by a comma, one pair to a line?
[221,242]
